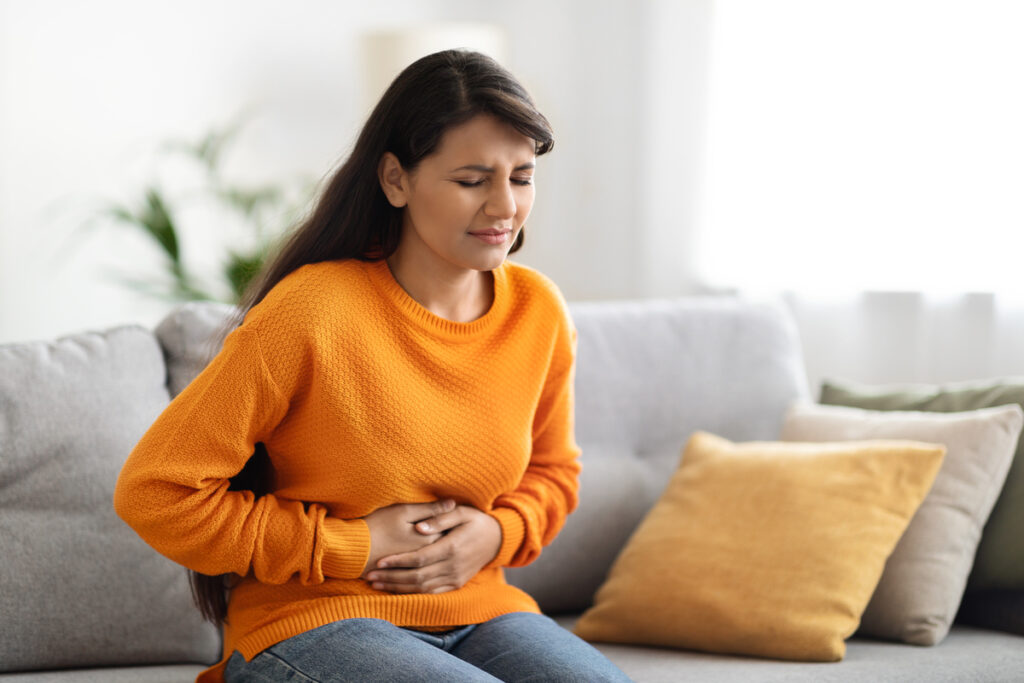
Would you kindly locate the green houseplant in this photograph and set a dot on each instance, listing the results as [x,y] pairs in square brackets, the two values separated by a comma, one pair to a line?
[265,211]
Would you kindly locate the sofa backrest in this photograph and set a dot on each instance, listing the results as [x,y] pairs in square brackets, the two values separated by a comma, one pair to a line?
[649,374]
[78,587]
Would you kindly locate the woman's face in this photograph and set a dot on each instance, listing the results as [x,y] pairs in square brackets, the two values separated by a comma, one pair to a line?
[464,204]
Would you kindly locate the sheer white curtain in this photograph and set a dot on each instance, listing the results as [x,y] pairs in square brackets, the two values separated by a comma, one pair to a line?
[909,337]
[867,158]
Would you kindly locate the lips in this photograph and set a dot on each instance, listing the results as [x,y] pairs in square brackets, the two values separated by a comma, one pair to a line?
[491,235]
[491,231]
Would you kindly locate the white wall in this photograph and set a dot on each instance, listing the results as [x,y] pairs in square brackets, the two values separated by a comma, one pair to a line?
[89,90]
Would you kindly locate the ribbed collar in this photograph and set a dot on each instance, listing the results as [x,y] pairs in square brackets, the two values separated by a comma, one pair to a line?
[381,276]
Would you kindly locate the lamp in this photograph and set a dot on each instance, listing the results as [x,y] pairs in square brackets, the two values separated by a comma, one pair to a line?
[386,52]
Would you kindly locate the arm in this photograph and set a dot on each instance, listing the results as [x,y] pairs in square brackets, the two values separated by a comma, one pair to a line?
[533,514]
[173,489]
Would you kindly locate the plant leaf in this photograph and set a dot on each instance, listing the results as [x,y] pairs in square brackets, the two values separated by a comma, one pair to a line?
[156,219]
[241,268]
[250,201]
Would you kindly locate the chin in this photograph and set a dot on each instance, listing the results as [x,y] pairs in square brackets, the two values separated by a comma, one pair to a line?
[494,262]
[484,262]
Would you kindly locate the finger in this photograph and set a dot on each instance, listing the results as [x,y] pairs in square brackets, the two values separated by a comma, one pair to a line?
[431,538]
[429,554]
[409,588]
[422,577]
[414,512]
[395,588]
[443,522]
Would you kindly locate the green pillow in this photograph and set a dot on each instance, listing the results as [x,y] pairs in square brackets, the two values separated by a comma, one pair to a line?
[999,563]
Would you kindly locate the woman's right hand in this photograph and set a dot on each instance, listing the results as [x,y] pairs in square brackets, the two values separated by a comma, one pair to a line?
[392,529]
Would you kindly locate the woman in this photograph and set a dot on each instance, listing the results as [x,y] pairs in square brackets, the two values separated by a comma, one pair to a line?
[411,394]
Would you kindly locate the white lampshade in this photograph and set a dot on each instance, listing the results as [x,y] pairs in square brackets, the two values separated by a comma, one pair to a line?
[386,52]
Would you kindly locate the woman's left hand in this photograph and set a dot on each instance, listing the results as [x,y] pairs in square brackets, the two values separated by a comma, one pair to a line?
[470,540]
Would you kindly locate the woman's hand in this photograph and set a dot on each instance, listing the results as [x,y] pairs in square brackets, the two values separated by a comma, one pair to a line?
[393,528]
[470,540]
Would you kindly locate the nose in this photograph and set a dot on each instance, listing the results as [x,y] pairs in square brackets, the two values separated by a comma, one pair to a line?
[501,202]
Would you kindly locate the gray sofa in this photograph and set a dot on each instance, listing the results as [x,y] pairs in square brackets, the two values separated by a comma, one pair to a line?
[83,599]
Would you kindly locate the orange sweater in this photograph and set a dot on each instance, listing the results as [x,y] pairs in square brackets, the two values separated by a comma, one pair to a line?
[363,399]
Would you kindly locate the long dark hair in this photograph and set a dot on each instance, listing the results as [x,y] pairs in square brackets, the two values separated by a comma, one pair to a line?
[353,218]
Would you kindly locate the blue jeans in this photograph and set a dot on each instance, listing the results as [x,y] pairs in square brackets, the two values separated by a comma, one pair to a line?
[513,647]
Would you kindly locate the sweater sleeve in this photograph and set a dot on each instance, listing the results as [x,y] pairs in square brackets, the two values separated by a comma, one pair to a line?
[173,489]
[533,514]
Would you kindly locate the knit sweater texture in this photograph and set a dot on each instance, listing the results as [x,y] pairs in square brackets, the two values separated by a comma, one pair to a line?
[363,399]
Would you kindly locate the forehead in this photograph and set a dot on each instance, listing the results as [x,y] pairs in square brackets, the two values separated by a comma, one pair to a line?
[484,139]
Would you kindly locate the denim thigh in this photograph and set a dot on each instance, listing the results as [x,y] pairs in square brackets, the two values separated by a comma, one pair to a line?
[356,650]
[515,647]
[522,646]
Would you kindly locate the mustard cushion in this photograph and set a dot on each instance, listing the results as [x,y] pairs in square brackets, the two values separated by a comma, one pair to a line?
[763,548]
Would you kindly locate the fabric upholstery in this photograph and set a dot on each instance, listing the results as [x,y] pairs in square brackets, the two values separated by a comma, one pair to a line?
[763,548]
[77,586]
[189,338]
[649,374]
[169,673]
[968,654]
[917,597]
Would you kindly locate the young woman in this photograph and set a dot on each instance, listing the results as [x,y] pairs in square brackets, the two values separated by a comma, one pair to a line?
[409,394]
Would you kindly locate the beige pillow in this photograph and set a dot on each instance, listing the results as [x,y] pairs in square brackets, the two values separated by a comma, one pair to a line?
[924,580]
[762,548]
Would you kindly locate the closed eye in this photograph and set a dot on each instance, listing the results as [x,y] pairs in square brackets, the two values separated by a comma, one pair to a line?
[517,181]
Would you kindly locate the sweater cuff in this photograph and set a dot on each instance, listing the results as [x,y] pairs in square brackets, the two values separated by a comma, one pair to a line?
[513,530]
[346,548]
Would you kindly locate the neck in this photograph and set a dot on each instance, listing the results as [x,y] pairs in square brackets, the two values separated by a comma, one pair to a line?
[459,295]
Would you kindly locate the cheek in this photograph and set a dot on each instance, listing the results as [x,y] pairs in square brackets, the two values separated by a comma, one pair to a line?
[440,211]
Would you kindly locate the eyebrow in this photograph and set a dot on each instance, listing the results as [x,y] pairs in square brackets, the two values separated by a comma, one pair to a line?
[489,169]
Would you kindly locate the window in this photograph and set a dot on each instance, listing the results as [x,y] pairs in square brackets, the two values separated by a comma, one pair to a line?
[874,144]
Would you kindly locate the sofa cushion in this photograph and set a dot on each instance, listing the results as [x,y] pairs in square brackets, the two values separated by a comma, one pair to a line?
[967,654]
[189,337]
[999,561]
[168,673]
[77,586]
[763,548]
[918,595]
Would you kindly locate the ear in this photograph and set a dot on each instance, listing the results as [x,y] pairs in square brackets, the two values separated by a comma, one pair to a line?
[393,180]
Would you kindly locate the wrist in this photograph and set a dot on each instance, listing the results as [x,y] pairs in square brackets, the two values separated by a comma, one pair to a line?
[513,530]
[496,535]
[346,548]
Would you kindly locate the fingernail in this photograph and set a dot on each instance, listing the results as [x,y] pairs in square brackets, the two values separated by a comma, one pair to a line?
[382,564]
[378,586]
[425,527]
[372,577]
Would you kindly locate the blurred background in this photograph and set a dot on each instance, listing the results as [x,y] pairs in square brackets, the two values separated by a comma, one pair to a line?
[861,161]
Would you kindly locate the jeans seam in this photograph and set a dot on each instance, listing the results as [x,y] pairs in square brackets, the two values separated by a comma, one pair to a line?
[288,665]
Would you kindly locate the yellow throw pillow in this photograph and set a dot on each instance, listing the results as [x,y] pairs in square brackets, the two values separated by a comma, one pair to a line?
[770,549]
